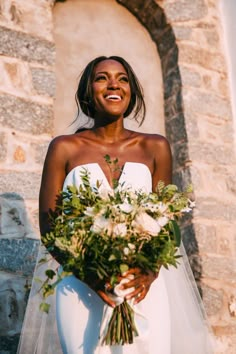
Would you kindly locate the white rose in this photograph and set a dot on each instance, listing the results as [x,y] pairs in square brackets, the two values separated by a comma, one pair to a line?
[162,207]
[131,246]
[126,207]
[162,221]
[105,192]
[145,223]
[101,224]
[120,229]
[89,211]
[126,251]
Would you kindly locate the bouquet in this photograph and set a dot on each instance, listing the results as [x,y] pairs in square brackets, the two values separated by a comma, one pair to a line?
[99,234]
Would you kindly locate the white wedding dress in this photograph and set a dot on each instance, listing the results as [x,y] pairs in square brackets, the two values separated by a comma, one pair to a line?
[170,320]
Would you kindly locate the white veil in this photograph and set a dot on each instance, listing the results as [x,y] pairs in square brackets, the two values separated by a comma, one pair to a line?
[190,332]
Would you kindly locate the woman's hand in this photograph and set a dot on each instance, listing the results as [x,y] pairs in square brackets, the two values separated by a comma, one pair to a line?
[138,282]
[141,283]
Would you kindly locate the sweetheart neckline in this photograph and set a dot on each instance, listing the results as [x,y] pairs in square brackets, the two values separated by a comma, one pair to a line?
[101,170]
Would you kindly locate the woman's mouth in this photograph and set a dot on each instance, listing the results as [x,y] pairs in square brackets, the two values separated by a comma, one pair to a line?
[113,97]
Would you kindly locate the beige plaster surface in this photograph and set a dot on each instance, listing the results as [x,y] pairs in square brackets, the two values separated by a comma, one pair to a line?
[85,29]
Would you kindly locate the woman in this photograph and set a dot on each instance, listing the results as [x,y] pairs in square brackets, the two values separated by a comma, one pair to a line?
[108,92]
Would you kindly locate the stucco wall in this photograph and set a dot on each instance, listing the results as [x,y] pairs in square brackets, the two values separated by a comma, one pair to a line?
[188,37]
[84,30]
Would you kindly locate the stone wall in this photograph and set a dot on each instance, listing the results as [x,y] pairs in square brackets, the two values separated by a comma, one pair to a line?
[27,87]
[211,139]
[188,36]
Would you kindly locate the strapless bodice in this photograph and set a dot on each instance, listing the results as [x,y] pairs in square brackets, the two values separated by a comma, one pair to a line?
[134,175]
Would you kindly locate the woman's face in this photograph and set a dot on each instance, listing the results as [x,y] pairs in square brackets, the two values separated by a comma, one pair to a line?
[111,89]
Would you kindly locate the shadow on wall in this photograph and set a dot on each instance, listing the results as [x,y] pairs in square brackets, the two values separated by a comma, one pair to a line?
[18,253]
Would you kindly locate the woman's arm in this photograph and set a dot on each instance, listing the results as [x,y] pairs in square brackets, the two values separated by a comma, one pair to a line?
[54,172]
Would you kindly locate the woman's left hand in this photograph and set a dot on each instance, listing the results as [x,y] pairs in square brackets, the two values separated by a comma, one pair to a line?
[141,283]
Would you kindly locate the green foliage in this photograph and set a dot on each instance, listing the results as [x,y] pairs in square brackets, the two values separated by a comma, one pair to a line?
[99,237]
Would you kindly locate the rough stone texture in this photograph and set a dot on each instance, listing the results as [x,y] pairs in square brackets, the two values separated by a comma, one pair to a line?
[14,221]
[20,45]
[18,255]
[208,208]
[34,18]
[184,10]
[26,116]
[19,155]
[44,81]
[190,54]
[207,240]
[3,144]
[175,127]
[212,154]
[12,303]
[213,300]
[190,77]
[24,183]
[209,105]
[220,268]
[40,150]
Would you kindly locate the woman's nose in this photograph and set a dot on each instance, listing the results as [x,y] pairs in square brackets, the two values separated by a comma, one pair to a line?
[113,83]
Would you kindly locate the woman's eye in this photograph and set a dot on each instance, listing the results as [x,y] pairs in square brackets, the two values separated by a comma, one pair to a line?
[100,78]
[124,78]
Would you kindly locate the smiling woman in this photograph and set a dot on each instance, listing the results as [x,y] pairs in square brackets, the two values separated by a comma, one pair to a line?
[166,307]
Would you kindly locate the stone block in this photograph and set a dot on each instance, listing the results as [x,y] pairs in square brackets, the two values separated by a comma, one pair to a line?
[14,222]
[44,81]
[220,268]
[185,10]
[182,33]
[189,77]
[40,150]
[26,47]
[208,104]
[206,237]
[213,299]
[170,61]
[172,83]
[12,303]
[175,129]
[25,183]
[3,144]
[18,255]
[15,76]
[189,54]
[173,106]
[26,116]
[34,17]
[180,155]
[231,183]
[182,177]
[212,154]
[166,42]
[215,209]
[212,37]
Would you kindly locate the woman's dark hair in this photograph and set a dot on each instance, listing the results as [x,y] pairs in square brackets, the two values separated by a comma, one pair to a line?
[84,94]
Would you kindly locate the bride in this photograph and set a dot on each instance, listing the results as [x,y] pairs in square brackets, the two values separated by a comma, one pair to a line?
[167,306]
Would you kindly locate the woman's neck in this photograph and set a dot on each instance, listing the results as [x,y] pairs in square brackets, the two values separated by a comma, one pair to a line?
[112,132]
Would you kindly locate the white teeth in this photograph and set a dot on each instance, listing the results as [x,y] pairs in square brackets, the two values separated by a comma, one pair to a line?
[113,97]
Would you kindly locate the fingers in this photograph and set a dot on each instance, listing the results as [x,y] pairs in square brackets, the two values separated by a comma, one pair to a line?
[106,298]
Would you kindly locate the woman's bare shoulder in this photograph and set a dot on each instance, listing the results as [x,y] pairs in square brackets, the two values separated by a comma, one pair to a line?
[156,140]
[64,141]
